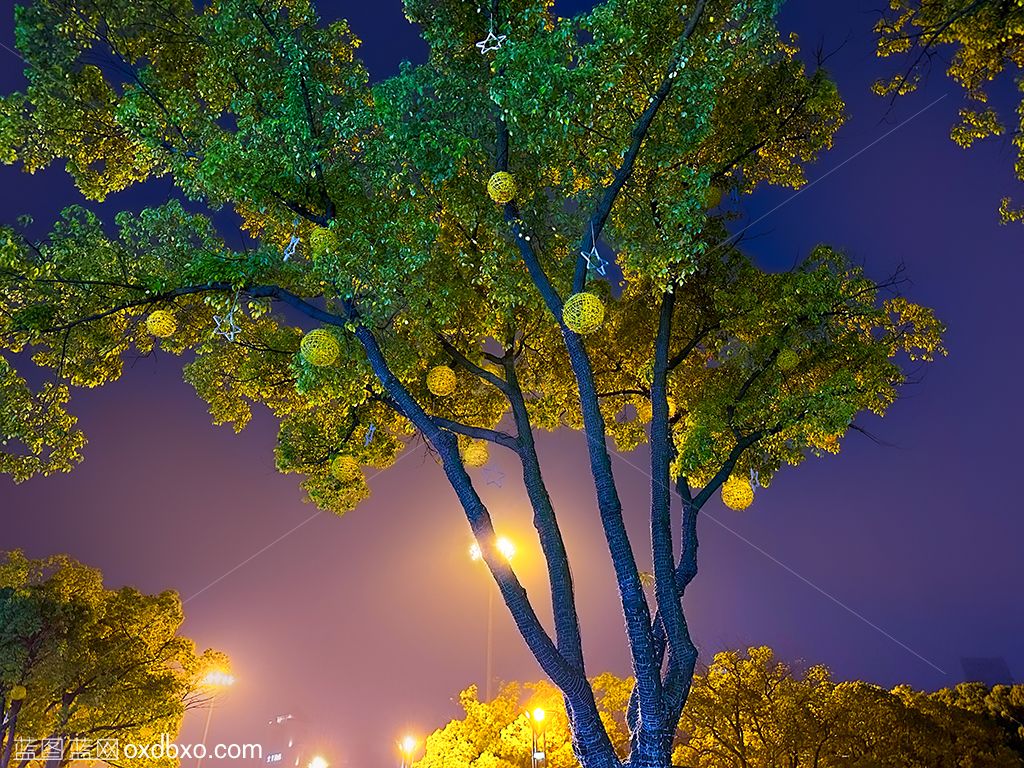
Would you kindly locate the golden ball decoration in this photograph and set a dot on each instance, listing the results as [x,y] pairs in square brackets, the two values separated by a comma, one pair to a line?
[320,348]
[787,360]
[737,493]
[441,380]
[476,454]
[18,692]
[346,470]
[161,323]
[322,242]
[502,187]
[583,313]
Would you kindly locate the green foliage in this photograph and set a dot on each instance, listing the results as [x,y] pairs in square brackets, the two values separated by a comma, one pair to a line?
[986,42]
[96,663]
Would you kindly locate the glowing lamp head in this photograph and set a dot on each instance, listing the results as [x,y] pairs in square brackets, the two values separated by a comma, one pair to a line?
[408,745]
[538,715]
[318,762]
[218,679]
[505,547]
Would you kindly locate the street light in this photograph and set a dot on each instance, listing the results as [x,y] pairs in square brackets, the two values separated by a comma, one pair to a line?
[318,762]
[537,755]
[406,747]
[214,679]
[508,551]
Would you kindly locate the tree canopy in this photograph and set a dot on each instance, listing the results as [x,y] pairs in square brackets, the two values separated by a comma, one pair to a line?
[986,41]
[81,664]
[525,234]
[750,710]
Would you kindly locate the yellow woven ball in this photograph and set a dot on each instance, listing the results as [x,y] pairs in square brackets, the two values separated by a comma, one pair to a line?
[18,692]
[319,347]
[161,323]
[583,313]
[346,470]
[737,493]
[502,187]
[476,454]
[322,242]
[787,360]
[441,380]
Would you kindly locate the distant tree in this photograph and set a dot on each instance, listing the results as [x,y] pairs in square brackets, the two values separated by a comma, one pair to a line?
[432,234]
[81,664]
[985,42]
[748,710]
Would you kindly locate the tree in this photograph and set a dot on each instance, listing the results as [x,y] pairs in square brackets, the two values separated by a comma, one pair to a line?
[428,310]
[81,665]
[986,38]
[747,710]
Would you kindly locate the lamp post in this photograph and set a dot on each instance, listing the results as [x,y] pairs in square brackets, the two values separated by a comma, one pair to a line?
[508,551]
[538,753]
[212,681]
[406,747]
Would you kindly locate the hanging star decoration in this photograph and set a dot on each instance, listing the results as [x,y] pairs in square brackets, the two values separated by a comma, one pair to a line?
[755,479]
[492,42]
[369,435]
[494,476]
[594,259]
[293,244]
[226,325]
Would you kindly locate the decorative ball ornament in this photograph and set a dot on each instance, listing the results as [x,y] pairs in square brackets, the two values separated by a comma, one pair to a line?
[476,454]
[321,242]
[441,380]
[18,692]
[161,323]
[320,348]
[583,313]
[502,187]
[346,470]
[737,493]
[787,360]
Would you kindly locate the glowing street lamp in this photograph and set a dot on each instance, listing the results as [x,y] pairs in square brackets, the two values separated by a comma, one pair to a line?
[508,551]
[538,754]
[213,680]
[406,747]
[505,547]
[318,762]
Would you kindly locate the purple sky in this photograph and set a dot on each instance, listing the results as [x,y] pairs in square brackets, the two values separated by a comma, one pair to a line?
[371,624]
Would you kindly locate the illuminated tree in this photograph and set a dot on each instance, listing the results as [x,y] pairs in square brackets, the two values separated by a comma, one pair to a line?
[81,665]
[381,291]
[747,710]
[986,42]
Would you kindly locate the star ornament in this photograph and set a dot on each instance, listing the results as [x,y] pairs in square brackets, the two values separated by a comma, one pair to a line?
[595,261]
[491,43]
[226,325]
[289,250]
[494,476]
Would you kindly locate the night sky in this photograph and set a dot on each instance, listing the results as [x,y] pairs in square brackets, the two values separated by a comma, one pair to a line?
[888,563]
